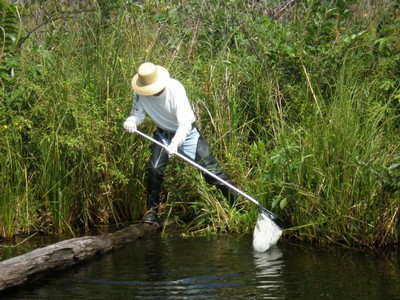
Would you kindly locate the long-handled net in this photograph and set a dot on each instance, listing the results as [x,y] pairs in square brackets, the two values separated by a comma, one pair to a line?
[267,232]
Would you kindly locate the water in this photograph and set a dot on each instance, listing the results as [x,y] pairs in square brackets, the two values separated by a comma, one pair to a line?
[222,268]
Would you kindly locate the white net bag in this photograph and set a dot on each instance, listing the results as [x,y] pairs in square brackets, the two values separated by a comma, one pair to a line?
[266,233]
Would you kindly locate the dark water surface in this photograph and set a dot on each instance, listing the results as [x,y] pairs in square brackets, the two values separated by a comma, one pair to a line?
[222,268]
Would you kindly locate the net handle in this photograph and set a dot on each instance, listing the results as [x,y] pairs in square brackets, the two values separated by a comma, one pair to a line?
[262,209]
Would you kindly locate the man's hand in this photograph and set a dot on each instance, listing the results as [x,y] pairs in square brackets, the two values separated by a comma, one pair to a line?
[130,126]
[172,149]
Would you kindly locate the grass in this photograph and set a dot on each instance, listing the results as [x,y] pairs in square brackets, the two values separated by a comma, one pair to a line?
[304,123]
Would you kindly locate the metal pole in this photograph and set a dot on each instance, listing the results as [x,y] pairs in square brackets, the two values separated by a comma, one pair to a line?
[269,214]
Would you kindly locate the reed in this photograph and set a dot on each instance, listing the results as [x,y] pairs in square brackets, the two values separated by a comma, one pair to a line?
[326,180]
[13,200]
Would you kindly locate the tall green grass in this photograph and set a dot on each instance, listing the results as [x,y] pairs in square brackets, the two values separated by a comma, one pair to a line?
[329,167]
[292,106]
[14,201]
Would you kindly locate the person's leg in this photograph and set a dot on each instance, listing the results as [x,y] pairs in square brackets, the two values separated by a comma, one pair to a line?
[155,177]
[196,148]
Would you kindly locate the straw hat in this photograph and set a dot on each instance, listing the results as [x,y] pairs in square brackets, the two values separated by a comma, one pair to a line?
[150,79]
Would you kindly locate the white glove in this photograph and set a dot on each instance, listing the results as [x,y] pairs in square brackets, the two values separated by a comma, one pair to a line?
[130,126]
[172,149]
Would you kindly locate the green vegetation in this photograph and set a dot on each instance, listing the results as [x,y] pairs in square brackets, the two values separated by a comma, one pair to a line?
[300,101]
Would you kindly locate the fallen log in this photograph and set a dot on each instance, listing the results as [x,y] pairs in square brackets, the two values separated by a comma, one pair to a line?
[17,270]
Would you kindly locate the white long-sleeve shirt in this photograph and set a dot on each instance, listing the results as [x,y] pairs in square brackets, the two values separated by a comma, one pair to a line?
[170,110]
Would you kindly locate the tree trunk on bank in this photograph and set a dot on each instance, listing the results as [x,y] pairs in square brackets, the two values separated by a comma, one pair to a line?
[17,270]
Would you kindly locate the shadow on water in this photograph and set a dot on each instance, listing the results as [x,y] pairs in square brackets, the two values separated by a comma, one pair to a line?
[221,268]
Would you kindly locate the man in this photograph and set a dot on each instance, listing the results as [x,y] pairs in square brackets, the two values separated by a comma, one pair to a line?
[164,100]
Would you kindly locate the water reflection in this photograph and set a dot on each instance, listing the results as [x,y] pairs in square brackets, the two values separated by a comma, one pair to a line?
[176,269]
[153,260]
[169,271]
[268,264]
[268,270]
[222,268]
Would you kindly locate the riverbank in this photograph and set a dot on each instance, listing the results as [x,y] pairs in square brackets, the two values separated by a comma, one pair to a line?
[298,99]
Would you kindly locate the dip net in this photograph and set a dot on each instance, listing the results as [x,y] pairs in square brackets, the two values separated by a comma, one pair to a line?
[266,233]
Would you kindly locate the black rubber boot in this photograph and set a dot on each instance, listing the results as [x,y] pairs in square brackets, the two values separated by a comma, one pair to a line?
[150,216]
[155,177]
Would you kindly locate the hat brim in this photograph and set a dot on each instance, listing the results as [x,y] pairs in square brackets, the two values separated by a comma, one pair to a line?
[155,87]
